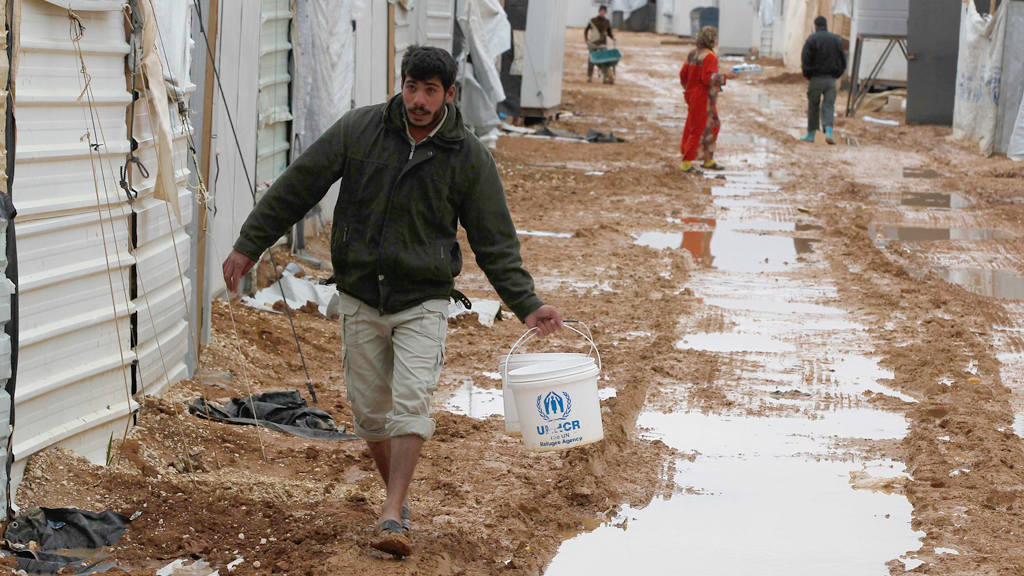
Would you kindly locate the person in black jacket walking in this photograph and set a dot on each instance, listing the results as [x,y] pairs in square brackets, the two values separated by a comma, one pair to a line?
[823,62]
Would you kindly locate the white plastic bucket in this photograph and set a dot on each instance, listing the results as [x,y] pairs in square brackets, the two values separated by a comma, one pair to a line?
[557,402]
[522,361]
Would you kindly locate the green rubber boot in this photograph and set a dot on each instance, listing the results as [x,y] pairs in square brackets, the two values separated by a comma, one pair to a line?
[809,137]
[828,135]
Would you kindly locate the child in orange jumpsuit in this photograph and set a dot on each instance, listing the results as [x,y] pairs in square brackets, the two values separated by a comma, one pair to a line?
[702,81]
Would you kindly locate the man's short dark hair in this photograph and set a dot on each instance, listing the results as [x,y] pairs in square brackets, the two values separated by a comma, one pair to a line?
[820,22]
[426,62]
[603,7]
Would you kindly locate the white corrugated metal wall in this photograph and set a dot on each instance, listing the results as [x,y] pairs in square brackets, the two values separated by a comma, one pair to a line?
[73,235]
[162,321]
[230,195]
[273,137]
[424,22]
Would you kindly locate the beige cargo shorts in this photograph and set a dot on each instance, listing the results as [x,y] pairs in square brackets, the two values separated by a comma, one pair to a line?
[392,364]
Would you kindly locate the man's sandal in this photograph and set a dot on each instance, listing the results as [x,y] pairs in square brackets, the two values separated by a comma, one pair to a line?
[392,540]
[406,524]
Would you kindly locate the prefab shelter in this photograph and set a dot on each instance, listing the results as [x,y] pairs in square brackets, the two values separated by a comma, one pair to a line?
[101,172]
[531,73]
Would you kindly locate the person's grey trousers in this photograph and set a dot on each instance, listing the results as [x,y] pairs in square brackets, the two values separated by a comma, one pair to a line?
[821,87]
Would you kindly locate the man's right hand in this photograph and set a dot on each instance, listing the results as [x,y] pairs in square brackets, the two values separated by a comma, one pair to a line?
[236,266]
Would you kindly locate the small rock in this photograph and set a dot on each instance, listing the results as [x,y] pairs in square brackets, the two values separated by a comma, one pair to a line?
[241,536]
[263,540]
[256,564]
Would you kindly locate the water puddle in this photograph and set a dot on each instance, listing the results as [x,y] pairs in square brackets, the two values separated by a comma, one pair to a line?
[992,283]
[660,240]
[882,234]
[733,138]
[761,100]
[938,200]
[766,496]
[762,177]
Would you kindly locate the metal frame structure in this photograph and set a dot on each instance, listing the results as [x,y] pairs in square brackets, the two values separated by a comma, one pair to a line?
[859,88]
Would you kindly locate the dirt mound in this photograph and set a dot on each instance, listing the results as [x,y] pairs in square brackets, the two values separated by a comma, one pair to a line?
[786,78]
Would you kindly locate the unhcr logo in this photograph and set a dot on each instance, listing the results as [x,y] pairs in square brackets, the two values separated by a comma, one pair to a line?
[553,406]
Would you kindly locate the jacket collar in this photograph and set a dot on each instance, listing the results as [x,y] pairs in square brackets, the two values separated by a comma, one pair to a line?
[452,130]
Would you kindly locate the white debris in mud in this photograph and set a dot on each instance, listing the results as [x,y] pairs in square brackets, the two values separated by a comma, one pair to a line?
[545,234]
[947,551]
[959,471]
[493,375]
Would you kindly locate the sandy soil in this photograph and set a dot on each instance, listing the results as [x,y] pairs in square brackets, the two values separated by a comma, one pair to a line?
[481,504]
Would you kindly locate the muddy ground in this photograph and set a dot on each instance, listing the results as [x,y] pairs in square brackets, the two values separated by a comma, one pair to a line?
[483,505]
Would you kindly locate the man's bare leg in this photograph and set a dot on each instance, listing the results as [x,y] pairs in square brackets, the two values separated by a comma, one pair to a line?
[381,453]
[405,454]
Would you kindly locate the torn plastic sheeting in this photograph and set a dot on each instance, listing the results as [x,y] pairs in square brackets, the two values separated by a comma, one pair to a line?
[487,311]
[299,292]
[66,528]
[275,115]
[37,562]
[978,76]
[488,35]
[280,411]
[601,137]
[166,188]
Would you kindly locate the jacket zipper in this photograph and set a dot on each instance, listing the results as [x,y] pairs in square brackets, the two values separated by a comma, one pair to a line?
[344,234]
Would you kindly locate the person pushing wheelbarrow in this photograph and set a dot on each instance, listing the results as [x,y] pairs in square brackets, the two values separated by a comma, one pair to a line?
[596,34]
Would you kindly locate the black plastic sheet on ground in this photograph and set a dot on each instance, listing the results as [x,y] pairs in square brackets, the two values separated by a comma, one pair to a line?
[54,529]
[601,137]
[280,411]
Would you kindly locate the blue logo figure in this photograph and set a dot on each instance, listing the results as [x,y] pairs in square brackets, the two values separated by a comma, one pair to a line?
[553,406]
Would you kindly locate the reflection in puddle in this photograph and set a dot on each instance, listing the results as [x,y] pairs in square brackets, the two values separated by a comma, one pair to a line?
[725,249]
[925,200]
[882,233]
[763,177]
[992,283]
[474,402]
[760,499]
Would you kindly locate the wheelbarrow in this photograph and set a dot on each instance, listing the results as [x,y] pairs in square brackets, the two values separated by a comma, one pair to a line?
[605,59]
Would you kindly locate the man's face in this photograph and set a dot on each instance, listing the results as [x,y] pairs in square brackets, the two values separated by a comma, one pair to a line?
[602,12]
[425,99]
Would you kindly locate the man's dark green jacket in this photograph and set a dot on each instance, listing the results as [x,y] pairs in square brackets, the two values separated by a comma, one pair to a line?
[393,242]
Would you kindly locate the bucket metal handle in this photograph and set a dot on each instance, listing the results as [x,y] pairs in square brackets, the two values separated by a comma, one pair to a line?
[588,336]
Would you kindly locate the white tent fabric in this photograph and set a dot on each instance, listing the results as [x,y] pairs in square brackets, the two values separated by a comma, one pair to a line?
[175,43]
[766,11]
[978,74]
[478,111]
[1016,149]
[627,6]
[843,7]
[325,66]
[488,35]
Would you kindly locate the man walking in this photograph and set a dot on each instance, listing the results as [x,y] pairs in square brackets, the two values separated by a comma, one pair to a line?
[823,61]
[410,173]
[602,31]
